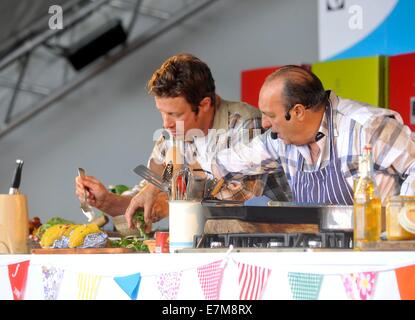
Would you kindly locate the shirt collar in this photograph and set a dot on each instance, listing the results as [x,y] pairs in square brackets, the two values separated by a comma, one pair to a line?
[324,125]
[221,118]
[334,102]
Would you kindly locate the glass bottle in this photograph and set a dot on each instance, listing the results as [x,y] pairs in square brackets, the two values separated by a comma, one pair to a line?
[367,203]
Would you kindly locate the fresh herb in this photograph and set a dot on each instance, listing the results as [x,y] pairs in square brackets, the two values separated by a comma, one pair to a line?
[118,189]
[139,221]
[138,217]
[131,243]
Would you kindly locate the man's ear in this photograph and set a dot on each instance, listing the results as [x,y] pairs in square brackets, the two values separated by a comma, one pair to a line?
[205,104]
[299,111]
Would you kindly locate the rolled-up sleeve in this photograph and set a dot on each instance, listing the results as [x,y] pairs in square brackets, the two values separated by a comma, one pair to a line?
[247,159]
[394,151]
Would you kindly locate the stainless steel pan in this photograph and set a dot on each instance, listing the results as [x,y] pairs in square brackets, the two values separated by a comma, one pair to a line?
[327,217]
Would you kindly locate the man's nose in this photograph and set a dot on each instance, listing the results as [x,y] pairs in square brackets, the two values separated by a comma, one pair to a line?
[266,124]
[168,122]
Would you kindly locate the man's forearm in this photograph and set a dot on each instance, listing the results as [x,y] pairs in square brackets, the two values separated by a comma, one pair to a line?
[116,205]
[251,159]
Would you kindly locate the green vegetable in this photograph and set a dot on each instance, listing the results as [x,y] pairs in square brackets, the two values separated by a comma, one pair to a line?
[118,189]
[139,219]
[130,242]
[138,216]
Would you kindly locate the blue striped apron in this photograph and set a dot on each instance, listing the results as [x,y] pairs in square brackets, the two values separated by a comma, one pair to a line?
[324,186]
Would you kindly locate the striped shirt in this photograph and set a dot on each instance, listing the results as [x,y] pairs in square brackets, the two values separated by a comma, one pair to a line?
[233,123]
[355,124]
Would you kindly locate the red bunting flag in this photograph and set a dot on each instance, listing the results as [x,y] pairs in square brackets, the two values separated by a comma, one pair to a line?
[406,282]
[18,277]
[252,281]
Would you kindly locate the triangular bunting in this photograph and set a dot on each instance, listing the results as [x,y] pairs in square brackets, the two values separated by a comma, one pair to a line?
[130,284]
[168,284]
[406,282]
[210,278]
[360,285]
[18,278]
[305,286]
[87,286]
[51,278]
[252,281]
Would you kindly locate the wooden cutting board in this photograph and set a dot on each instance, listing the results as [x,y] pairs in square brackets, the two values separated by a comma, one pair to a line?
[408,245]
[82,251]
[220,226]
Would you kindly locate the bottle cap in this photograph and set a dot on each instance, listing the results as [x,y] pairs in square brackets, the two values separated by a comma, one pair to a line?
[407,218]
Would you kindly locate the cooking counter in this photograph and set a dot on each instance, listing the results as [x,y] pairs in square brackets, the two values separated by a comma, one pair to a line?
[331,265]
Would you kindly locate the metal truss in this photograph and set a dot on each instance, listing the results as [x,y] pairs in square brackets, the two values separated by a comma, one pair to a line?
[36,74]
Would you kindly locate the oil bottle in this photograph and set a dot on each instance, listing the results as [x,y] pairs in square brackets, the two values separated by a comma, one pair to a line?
[367,203]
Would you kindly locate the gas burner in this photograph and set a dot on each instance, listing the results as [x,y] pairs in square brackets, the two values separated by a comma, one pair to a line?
[332,240]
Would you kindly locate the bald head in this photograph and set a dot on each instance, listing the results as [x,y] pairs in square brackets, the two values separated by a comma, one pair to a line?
[299,86]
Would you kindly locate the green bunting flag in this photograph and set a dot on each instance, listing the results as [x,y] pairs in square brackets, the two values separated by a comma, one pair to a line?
[305,286]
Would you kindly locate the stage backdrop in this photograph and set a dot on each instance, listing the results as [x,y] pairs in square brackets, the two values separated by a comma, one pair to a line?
[359,28]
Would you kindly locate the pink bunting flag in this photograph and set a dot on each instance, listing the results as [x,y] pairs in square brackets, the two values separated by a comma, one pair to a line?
[210,278]
[360,285]
[252,281]
[168,285]
[18,278]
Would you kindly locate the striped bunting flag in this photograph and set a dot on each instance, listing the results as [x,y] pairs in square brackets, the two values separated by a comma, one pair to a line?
[305,286]
[210,278]
[88,286]
[252,281]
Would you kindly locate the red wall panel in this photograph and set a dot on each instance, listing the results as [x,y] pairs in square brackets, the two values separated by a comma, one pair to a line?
[252,80]
[251,83]
[402,87]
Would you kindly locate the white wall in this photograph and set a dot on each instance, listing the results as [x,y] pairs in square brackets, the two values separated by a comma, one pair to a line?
[107,125]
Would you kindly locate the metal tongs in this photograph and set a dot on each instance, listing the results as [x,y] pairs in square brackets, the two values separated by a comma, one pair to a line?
[167,173]
[152,177]
[85,207]
[182,184]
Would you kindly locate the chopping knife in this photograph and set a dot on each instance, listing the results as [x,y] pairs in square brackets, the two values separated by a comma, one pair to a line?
[85,207]
[14,189]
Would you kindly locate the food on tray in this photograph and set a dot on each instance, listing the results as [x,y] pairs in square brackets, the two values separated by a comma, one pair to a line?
[69,230]
[77,236]
[130,242]
[73,236]
[34,225]
[52,234]
[51,222]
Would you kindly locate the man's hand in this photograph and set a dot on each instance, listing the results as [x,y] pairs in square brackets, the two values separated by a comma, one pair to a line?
[160,207]
[98,195]
[155,205]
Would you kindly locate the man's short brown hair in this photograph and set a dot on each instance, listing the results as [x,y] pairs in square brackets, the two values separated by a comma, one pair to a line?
[183,75]
[301,86]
